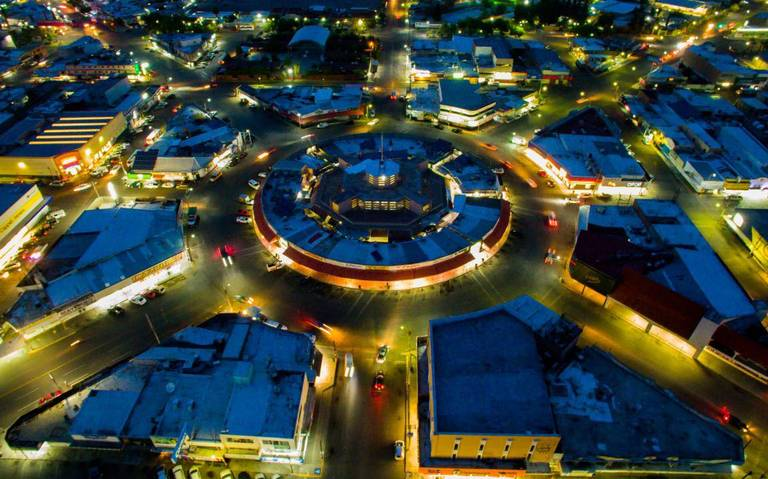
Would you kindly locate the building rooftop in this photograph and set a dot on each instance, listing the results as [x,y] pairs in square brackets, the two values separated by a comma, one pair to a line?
[605,410]
[676,255]
[586,144]
[102,248]
[57,137]
[463,95]
[306,100]
[310,33]
[606,415]
[284,207]
[104,413]
[10,194]
[254,390]
[488,359]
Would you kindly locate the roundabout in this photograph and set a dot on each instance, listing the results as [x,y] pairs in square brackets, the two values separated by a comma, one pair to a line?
[381,212]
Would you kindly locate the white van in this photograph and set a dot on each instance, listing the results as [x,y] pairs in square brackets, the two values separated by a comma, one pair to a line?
[349,365]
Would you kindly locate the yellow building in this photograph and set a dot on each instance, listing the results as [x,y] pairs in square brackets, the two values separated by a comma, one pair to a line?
[21,207]
[489,408]
[64,147]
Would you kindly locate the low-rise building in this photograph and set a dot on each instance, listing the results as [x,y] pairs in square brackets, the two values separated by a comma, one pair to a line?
[231,388]
[493,59]
[191,145]
[720,69]
[21,208]
[585,154]
[308,105]
[61,146]
[707,139]
[693,8]
[650,265]
[537,407]
[185,47]
[462,105]
[108,255]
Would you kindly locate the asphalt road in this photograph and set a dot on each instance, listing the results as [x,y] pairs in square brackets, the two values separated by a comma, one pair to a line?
[363,427]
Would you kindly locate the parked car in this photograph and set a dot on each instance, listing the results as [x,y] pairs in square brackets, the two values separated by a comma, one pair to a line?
[215,177]
[57,183]
[226,474]
[12,266]
[274,324]
[245,199]
[254,184]
[243,220]
[458,131]
[57,215]
[116,311]
[399,450]
[160,290]
[151,184]
[168,184]
[99,172]
[139,300]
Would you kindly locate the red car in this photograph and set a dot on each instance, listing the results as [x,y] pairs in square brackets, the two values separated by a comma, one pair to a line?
[378,383]
[552,219]
[542,173]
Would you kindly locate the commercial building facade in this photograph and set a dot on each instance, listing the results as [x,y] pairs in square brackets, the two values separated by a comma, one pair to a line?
[108,255]
[21,208]
[505,392]
[231,388]
[67,145]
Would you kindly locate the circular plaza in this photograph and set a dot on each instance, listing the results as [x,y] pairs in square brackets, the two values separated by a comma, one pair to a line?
[381,212]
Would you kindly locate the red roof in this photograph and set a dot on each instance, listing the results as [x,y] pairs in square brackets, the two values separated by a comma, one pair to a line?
[658,303]
[729,342]
[383,275]
[497,234]
[262,225]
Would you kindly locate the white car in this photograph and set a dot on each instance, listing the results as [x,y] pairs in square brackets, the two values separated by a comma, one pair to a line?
[322,125]
[373,122]
[399,450]
[245,220]
[139,300]
[82,187]
[274,324]
[58,214]
[168,184]
[262,174]
[151,184]
[253,184]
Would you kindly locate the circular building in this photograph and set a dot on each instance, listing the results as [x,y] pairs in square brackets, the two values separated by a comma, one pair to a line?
[381,212]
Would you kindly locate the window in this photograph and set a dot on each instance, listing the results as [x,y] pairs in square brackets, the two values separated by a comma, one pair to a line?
[507,445]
